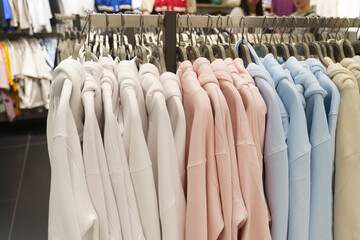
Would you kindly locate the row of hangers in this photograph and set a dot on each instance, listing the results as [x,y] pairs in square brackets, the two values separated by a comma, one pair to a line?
[114,42]
[217,42]
[281,44]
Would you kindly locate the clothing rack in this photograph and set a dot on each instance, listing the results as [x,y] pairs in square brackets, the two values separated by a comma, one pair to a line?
[170,22]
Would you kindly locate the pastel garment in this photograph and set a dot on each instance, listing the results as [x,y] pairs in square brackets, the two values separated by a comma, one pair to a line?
[176,112]
[354,67]
[137,154]
[172,205]
[71,212]
[331,101]
[321,154]
[346,194]
[97,172]
[254,105]
[298,151]
[233,208]
[275,152]
[113,144]
[203,211]
[250,175]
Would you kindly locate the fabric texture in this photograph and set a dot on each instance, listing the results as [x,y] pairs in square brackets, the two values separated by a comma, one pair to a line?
[172,204]
[137,152]
[346,194]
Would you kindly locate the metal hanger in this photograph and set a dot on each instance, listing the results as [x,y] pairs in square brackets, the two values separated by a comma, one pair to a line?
[338,50]
[205,49]
[260,48]
[181,54]
[121,53]
[281,48]
[218,49]
[230,50]
[157,55]
[327,49]
[243,49]
[344,43]
[80,43]
[302,49]
[356,44]
[140,50]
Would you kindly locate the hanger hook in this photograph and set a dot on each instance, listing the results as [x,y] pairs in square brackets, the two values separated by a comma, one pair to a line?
[283,25]
[324,20]
[273,31]
[87,21]
[242,26]
[179,25]
[208,27]
[293,23]
[218,26]
[307,19]
[341,24]
[265,24]
[107,23]
[357,31]
[141,27]
[348,26]
[122,28]
[333,27]
[159,26]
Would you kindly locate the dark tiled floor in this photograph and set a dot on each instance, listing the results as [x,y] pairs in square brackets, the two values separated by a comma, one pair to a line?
[24,180]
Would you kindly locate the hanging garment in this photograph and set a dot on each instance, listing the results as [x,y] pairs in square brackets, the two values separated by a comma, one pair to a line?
[92,144]
[234,212]
[113,144]
[254,105]
[139,94]
[282,7]
[71,212]
[346,194]
[25,21]
[172,205]
[7,9]
[204,218]
[14,12]
[354,67]
[40,21]
[176,112]
[5,87]
[137,152]
[250,175]
[276,163]
[321,160]
[3,22]
[331,101]
[13,86]
[298,152]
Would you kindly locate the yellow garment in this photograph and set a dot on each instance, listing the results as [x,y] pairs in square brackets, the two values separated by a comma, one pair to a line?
[347,160]
[354,67]
[13,85]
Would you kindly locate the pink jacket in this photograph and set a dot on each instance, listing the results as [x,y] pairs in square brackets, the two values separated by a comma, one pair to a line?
[203,214]
[232,205]
[257,225]
[254,105]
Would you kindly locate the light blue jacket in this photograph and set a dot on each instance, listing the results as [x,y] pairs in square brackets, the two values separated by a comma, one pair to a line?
[275,153]
[331,101]
[321,160]
[298,151]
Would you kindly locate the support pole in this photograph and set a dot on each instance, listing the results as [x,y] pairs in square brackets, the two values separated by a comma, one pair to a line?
[170,40]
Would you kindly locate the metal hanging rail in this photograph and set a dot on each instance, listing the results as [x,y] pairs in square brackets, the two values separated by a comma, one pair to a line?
[188,21]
